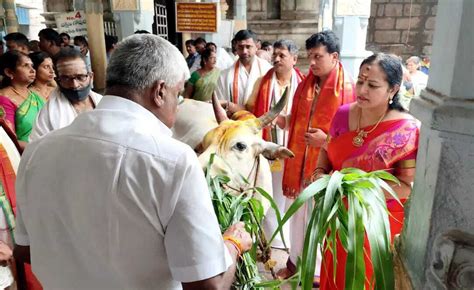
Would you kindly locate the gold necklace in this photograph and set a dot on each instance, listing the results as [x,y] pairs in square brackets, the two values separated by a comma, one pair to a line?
[19,94]
[358,140]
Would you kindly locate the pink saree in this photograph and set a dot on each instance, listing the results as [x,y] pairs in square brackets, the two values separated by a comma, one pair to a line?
[391,146]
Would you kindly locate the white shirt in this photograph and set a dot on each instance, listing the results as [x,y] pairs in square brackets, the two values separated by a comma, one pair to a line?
[58,112]
[246,80]
[113,202]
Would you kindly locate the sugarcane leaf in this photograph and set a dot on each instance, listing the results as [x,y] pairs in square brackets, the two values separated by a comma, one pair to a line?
[314,188]
[311,241]
[380,251]
[355,265]
[257,209]
[332,187]
[389,189]
[274,206]
[223,179]
[268,284]
[208,169]
[349,172]
[385,175]
[332,242]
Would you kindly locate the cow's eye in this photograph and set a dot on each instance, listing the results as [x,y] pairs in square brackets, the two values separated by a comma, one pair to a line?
[240,146]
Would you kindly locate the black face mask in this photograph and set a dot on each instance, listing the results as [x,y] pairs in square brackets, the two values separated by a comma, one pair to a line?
[74,95]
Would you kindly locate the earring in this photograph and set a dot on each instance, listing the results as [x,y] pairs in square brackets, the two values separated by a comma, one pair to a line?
[391,101]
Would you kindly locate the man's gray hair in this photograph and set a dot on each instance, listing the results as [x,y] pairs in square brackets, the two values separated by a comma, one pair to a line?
[142,59]
[288,44]
[415,59]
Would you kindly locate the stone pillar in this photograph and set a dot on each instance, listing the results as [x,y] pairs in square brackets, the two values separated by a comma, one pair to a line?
[95,35]
[10,16]
[350,25]
[437,243]
[299,9]
[326,16]
[131,19]
[240,11]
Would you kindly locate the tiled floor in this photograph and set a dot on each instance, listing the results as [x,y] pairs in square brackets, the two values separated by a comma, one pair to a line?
[280,256]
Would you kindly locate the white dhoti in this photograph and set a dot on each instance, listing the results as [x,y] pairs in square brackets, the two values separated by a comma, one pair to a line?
[270,223]
[298,224]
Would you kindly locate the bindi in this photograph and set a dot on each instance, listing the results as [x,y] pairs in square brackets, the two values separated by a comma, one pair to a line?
[365,75]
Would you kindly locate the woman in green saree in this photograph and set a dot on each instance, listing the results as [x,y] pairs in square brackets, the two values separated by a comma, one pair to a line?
[203,82]
[19,106]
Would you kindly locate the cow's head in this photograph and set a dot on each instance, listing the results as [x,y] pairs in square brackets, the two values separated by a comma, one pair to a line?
[239,147]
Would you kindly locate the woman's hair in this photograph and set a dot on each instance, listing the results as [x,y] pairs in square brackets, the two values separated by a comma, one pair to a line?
[392,67]
[37,58]
[9,60]
[206,54]
[209,44]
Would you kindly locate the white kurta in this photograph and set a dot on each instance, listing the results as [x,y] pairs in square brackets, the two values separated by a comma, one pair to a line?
[113,202]
[270,223]
[57,113]
[246,80]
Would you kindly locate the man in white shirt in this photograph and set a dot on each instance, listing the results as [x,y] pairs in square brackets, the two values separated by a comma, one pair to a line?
[113,201]
[236,83]
[72,97]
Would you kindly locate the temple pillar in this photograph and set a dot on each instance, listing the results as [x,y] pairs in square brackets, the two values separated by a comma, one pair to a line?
[350,25]
[130,18]
[95,35]
[11,21]
[299,9]
[437,244]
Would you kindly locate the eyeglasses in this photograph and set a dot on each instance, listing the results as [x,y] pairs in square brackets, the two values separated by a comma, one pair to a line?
[68,79]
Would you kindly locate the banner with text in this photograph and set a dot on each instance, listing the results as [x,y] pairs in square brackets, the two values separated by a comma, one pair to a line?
[72,23]
[196,17]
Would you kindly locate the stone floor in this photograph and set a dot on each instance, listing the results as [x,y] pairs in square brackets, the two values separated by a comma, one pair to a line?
[280,256]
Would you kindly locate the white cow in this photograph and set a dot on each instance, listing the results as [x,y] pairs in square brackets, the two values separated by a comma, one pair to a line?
[238,144]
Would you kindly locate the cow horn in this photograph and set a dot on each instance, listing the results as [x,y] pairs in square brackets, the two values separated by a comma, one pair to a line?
[219,112]
[268,117]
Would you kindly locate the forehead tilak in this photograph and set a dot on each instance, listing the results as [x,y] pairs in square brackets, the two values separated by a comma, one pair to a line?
[365,73]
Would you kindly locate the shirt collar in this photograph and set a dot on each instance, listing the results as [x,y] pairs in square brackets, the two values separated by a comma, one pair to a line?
[118,103]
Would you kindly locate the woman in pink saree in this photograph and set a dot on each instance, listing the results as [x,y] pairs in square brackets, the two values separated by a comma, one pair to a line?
[374,133]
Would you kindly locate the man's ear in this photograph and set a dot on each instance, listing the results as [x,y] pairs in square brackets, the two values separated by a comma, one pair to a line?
[158,91]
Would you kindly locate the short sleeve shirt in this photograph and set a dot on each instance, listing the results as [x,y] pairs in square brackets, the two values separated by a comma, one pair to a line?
[113,202]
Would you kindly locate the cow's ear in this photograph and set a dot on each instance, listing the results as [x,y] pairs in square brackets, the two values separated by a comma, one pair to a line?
[272,151]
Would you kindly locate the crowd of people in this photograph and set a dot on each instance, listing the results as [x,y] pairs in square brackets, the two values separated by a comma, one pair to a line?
[106,198]
[325,114]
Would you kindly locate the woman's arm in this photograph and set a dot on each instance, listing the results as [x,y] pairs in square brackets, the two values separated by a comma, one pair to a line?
[323,167]
[404,171]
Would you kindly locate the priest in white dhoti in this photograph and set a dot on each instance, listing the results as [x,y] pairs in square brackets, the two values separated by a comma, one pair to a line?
[284,76]
[236,83]
[72,97]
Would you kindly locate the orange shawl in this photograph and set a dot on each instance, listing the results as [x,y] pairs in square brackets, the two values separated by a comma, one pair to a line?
[337,90]
[263,100]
